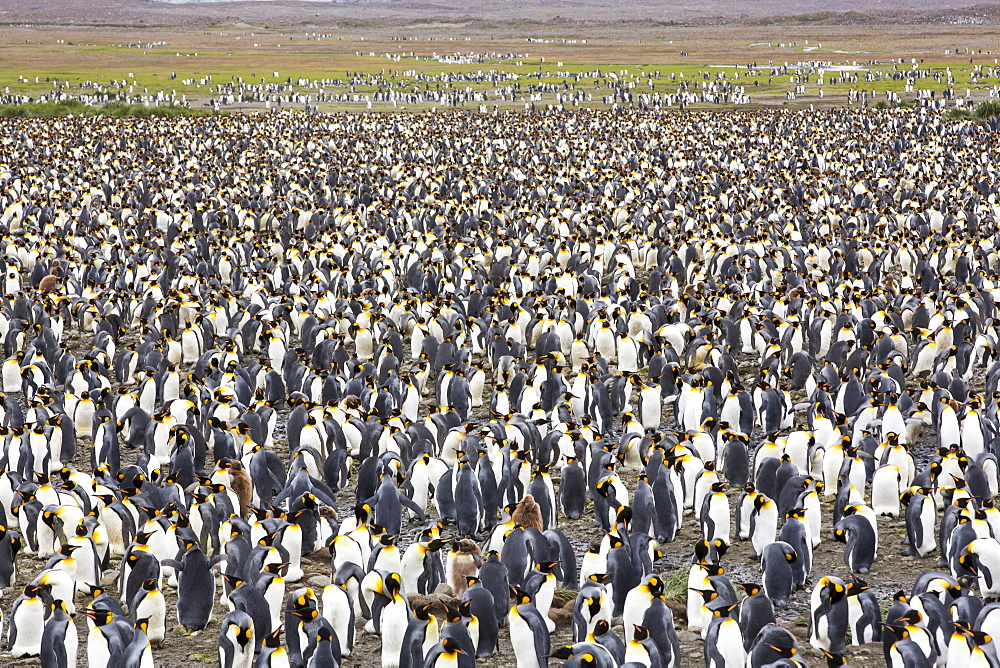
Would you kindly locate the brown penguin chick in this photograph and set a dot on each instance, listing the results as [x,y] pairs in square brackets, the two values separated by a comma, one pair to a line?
[242,485]
[51,282]
[463,561]
[528,514]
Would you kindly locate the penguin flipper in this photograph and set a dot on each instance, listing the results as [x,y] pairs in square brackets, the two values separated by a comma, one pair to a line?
[412,505]
[323,491]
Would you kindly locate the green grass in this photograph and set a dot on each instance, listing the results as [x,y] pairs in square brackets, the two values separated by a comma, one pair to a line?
[980,112]
[123,110]
[88,62]
[44,109]
[112,109]
[675,585]
[903,104]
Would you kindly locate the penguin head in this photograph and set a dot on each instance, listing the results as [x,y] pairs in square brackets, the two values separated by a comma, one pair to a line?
[100,617]
[520,596]
[656,586]
[67,550]
[900,630]
[423,612]
[835,590]
[392,584]
[565,652]
[834,660]
[784,652]
[436,544]
[969,562]
[980,638]
[234,581]
[243,635]
[273,641]
[450,646]
[725,611]
[452,614]
[305,598]
[856,586]
[277,569]
[305,614]
[711,570]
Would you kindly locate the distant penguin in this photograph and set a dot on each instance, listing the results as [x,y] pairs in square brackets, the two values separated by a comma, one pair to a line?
[736,461]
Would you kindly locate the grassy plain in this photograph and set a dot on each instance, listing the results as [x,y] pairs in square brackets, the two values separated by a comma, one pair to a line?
[41,60]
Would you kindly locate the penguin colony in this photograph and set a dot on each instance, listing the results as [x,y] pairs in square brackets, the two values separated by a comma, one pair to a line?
[773,327]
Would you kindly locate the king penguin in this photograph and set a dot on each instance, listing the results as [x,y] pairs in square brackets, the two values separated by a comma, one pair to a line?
[236,641]
[528,632]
